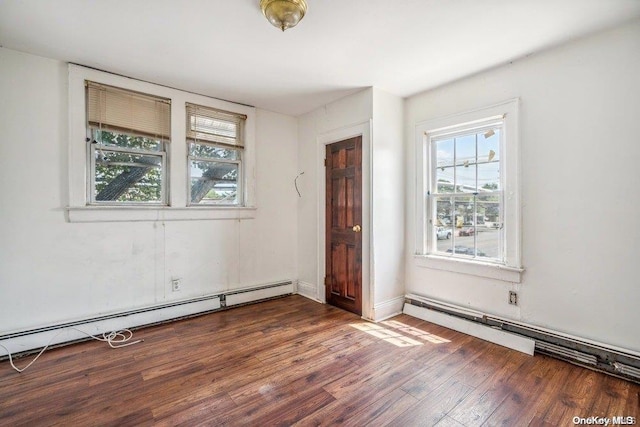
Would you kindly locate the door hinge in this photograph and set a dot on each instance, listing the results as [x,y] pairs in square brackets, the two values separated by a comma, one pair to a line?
[325,162]
[326,280]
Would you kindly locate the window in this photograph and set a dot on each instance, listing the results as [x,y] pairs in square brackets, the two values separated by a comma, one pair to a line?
[468,209]
[215,152]
[128,133]
[465,198]
[124,164]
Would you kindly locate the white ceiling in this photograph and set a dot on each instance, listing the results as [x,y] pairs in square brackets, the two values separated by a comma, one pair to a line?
[227,49]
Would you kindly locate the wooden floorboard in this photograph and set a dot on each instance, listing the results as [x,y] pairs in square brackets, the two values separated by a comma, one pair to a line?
[292,361]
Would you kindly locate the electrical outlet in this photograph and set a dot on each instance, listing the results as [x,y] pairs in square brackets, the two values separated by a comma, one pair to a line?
[513,298]
[175,284]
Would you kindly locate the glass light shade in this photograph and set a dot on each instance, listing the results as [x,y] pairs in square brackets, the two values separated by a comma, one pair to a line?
[283,13]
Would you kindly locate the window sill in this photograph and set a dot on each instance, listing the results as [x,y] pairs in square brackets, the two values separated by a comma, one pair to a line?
[156,213]
[474,268]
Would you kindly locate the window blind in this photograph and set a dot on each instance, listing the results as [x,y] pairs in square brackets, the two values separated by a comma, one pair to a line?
[121,110]
[209,124]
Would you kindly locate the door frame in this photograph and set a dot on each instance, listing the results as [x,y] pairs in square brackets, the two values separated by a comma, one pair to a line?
[336,135]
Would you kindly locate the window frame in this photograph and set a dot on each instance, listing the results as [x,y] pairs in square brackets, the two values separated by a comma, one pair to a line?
[239,188]
[239,147]
[510,269]
[79,207]
[431,240]
[92,146]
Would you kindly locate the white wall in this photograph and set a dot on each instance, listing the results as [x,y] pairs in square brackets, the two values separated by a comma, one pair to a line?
[351,110]
[53,271]
[379,115]
[388,197]
[580,105]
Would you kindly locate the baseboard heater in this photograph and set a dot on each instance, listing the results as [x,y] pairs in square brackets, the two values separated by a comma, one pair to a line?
[29,341]
[618,362]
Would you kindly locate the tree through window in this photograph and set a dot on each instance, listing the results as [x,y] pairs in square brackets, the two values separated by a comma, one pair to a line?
[127,145]
[133,173]
[215,145]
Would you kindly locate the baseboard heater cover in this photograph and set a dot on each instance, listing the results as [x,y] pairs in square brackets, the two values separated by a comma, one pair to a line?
[27,341]
[496,336]
[244,296]
[608,359]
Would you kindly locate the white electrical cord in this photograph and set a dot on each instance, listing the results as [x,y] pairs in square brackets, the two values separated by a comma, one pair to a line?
[115,339]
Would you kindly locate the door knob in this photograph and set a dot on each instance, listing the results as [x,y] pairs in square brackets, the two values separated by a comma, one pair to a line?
[357,228]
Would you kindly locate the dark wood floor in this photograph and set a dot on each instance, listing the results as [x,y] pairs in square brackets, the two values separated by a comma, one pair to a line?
[293,361]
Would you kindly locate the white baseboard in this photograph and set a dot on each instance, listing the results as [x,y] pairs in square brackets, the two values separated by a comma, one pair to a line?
[506,339]
[387,309]
[308,290]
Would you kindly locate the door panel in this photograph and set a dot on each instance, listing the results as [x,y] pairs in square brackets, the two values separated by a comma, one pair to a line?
[343,268]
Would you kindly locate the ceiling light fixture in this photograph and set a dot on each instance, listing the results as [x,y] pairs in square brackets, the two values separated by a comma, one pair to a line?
[283,13]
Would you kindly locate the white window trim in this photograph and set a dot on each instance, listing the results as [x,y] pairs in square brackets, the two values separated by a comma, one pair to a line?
[511,270]
[78,209]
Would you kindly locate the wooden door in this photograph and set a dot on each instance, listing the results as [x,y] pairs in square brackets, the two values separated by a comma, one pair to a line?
[343,273]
